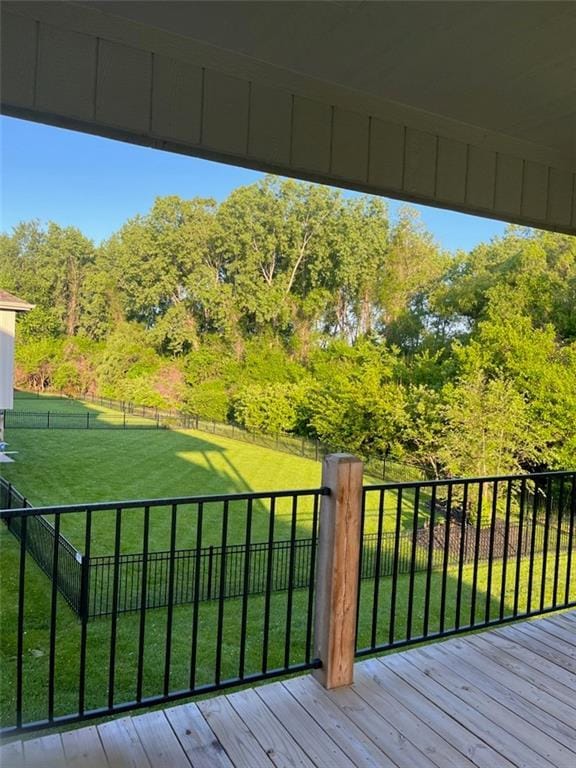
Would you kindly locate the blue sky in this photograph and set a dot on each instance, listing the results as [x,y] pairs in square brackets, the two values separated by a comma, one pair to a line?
[95,184]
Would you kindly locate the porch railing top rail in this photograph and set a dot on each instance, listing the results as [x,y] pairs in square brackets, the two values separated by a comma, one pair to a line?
[27,508]
[451,481]
[162,502]
[244,496]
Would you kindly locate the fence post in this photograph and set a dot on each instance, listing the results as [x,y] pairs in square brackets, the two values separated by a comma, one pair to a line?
[337,569]
[48,420]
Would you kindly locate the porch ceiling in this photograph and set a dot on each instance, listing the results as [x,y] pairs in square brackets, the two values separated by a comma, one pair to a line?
[470,106]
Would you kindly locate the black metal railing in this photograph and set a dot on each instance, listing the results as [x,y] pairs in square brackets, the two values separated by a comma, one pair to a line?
[78,420]
[456,555]
[45,544]
[61,668]
[237,604]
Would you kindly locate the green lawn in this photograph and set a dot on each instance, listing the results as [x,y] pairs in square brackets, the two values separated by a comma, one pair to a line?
[65,466]
[36,641]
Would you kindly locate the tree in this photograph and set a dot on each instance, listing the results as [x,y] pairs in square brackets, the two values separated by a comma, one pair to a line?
[48,266]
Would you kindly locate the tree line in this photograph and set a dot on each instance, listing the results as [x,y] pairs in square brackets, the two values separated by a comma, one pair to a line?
[292,308]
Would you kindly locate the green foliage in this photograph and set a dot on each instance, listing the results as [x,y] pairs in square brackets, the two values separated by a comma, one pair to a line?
[268,408]
[290,307]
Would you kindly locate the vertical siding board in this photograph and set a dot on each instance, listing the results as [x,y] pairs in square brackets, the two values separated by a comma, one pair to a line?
[123,88]
[420,158]
[311,135]
[226,110]
[19,45]
[481,177]
[386,154]
[560,197]
[451,178]
[508,194]
[350,145]
[270,117]
[535,190]
[176,100]
[66,72]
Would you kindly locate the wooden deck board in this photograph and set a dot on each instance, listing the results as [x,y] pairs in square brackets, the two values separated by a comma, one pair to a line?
[468,654]
[490,708]
[440,752]
[472,746]
[503,698]
[354,742]
[317,744]
[197,738]
[121,744]
[83,748]
[547,730]
[159,741]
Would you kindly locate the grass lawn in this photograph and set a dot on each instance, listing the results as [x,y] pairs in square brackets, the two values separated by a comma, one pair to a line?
[68,466]
[37,639]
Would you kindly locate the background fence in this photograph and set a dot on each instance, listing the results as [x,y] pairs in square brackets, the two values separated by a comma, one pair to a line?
[381,467]
[80,420]
[229,572]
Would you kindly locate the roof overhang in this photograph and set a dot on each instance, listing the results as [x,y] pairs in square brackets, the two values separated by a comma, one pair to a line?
[469,106]
[11,303]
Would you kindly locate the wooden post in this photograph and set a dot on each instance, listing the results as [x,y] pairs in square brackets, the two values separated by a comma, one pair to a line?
[337,569]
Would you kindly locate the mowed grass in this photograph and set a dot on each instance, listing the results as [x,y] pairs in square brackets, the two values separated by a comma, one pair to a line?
[178,671]
[79,466]
[72,466]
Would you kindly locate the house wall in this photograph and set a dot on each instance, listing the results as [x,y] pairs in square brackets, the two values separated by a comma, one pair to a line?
[7,330]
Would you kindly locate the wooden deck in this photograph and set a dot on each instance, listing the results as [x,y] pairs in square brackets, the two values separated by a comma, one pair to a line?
[503,698]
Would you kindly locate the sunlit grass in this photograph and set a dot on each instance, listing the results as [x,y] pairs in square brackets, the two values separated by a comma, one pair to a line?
[37,637]
[68,466]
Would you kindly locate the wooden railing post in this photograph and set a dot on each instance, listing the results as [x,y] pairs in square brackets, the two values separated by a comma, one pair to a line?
[337,569]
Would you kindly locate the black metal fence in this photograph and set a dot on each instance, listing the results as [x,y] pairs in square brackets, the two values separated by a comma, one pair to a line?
[214,572]
[80,420]
[490,550]
[438,557]
[386,467]
[253,559]
[81,666]
[63,563]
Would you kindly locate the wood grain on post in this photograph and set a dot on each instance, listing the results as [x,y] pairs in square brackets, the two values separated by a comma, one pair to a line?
[337,569]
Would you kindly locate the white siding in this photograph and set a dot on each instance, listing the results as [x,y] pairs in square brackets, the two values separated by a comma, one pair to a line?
[350,145]
[193,101]
[535,190]
[176,100]
[420,163]
[451,174]
[311,135]
[7,325]
[386,155]
[481,179]
[66,72]
[123,87]
[225,115]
